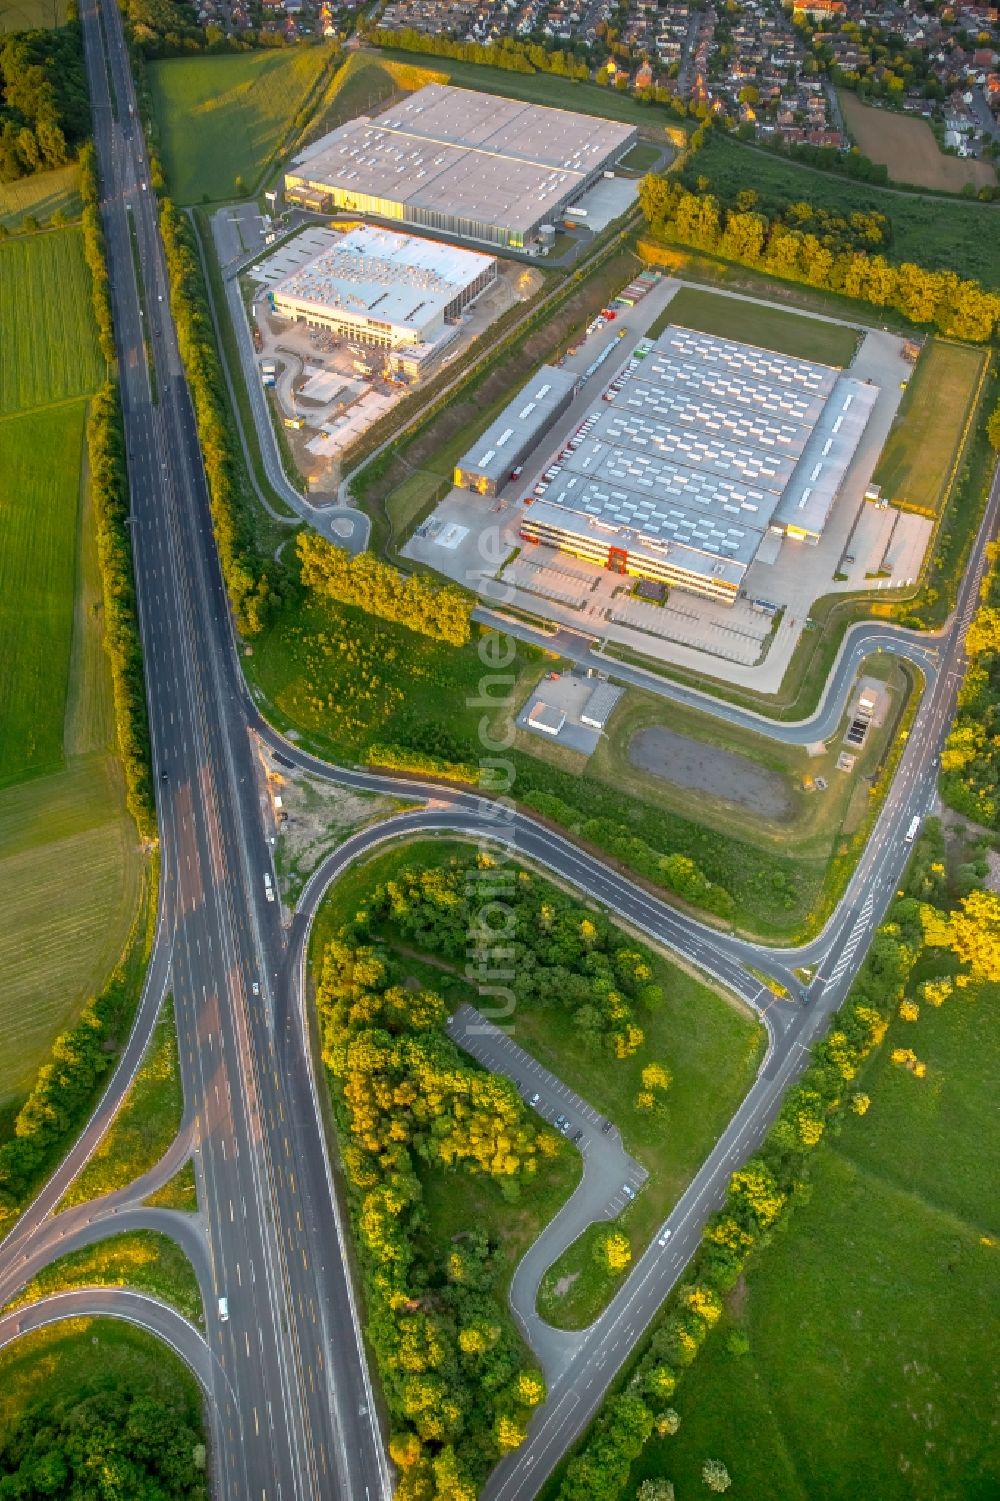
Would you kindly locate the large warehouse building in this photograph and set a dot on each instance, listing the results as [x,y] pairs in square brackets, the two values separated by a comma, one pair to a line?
[376,286]
[707,447]
[469,164]
[506,443]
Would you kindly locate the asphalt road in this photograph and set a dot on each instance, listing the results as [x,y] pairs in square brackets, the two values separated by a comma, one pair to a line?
[292,1406]
[610,1175]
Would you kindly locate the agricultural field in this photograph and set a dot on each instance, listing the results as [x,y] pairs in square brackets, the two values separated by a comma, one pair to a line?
[41,195]
[26,15]
[223,116]
[71,872]
[46,331]
[768,327]
[960,236]
[871,1364]
[920,453]
[909,149]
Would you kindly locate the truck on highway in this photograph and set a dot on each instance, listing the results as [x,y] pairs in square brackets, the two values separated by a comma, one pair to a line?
[911,832]
[268,888]
[224,1309]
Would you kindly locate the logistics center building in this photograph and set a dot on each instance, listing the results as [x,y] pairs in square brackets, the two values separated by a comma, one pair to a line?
[377,286]
[468,164]
[506,443]
[707,446]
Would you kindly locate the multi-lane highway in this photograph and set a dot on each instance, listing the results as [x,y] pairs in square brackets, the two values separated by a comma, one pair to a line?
[293,1411]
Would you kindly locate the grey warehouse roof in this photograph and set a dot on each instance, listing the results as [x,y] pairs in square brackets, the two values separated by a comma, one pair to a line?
[524,419]
[708,443]
[466,154]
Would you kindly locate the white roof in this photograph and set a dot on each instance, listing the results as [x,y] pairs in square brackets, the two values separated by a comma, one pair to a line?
[400,279]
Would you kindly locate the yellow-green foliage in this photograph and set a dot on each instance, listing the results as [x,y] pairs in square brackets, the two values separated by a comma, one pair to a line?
[142,1259]
[146,1124]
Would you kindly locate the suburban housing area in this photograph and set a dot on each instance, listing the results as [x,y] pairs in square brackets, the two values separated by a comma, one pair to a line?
[499,751]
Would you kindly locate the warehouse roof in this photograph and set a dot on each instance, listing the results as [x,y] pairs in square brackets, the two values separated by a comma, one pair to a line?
[708,455]
[396,278]
[519,424]
[465,154]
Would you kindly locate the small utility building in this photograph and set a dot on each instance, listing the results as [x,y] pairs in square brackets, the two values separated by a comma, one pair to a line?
[506,443]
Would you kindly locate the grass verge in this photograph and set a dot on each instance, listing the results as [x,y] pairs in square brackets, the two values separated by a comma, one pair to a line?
[768,327]
[140,1259]
[146,1124]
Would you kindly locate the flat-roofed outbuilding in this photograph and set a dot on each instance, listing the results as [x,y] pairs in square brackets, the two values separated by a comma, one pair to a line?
[490,462]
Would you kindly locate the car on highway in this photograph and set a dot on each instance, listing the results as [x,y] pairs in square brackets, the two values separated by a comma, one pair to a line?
[663,1237]
[255,988]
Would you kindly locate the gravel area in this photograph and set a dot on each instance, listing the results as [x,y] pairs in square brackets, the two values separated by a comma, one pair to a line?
[707,768]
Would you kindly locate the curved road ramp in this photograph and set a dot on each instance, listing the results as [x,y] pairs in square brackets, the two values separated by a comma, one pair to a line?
[611,1178]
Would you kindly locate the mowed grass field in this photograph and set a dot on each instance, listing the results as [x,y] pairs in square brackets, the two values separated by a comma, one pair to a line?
[909,149]
[961,236]
[42,195]
[919,456]
[71,873]
[223,116]
[872,1321]
[25,15]
[48,347]
[768,327]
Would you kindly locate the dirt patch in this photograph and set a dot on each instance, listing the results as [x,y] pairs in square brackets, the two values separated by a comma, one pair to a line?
[562,1285]
[310,818]
[909,149]
[736,1302]
[708,768]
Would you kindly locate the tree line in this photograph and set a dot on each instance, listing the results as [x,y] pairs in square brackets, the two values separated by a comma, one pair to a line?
[457,1389]
[104,1440]
[938,299]
[970,760]
[94,251]
[675,872]
[64,1090]
[509,54]
[109,493]
[248,579]
[762,1192]
[44,107]
[441,612]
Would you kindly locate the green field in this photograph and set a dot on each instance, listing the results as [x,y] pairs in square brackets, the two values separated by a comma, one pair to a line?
[920,452]
[40,456]
[954,235]
[223,116]
[146,1124]
[25,15]
[43,194]
[542,88]
[872,1319]
[46,331]
[768,327]
[71,872]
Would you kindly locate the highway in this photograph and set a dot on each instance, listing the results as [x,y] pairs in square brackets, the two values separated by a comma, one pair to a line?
[293,1411]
